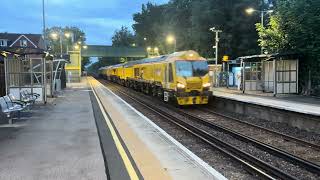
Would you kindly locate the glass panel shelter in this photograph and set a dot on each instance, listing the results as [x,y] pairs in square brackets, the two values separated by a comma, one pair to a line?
[27,69]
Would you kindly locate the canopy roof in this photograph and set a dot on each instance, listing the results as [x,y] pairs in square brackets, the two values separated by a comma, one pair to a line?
[19,51]
[269,57]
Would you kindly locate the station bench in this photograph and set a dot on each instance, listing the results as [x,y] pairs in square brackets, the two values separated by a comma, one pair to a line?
[11,106]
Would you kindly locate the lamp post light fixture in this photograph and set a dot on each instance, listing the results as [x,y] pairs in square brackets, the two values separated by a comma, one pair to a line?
[148,49]
[54,35]
[262,14]
[76,47]
[250,10]
[67,35]
[172,40]
[59,35]
[85,47]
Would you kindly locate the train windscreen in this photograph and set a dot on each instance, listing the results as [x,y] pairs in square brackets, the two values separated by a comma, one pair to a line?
[191,68]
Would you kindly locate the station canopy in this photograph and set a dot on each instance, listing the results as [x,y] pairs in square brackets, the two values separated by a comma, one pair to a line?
[111,51]
[18,51]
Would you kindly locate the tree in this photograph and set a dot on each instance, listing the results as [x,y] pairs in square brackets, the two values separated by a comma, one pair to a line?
[75,35]
[123,37]
[189,21]
[273,38]
[85,62]
[295,27]
[70,36]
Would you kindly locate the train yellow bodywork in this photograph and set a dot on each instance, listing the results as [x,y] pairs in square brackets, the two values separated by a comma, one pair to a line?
[181,77]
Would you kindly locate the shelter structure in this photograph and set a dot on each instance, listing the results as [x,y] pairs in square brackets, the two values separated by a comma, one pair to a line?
[275,73]
[2,77]
[27,69]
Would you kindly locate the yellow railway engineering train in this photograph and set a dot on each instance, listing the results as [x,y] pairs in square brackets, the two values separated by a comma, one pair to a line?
[181,77]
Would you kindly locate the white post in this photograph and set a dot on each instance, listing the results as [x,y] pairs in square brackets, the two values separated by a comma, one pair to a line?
[262,24]
[61,43]
[217,43]
[216,48]
[6,74]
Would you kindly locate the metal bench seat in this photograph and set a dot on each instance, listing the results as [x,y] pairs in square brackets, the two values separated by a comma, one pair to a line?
[17,101]
[10,108]
[28,97]
[10,99]
[31,95]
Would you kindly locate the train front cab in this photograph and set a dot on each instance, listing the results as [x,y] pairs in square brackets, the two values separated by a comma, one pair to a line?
[187,86]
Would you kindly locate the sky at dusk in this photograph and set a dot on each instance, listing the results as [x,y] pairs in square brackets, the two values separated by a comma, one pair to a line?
[97,18]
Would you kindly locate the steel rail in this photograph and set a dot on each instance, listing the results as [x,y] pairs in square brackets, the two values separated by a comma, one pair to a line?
[314,168]
[251,163]
[285,136]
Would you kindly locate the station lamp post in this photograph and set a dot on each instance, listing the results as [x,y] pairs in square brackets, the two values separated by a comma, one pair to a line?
[69,35]
[156,51]
[153,51]
[59,35]
[172,40]
[262,14]
[216,31]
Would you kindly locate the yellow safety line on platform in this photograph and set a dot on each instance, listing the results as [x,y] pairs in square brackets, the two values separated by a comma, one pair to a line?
[132,173]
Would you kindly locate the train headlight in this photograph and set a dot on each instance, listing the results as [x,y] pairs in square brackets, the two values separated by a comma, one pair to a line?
[181,86]
[206,85]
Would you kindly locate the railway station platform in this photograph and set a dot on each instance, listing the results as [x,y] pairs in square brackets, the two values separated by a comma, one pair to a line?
[88,132]
[149,152]
[295,103]
[58,140]
[302,107]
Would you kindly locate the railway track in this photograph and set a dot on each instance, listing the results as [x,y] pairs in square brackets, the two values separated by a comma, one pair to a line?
[252,163]
[266,147]
[231,122]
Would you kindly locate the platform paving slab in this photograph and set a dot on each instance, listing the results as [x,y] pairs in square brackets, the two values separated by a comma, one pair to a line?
[59,141]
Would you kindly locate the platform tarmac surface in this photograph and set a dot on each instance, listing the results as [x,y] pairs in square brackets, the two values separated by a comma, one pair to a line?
[59,141]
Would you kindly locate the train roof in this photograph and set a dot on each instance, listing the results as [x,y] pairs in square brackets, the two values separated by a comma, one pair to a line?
[183,55]
[146,60]
[102,68]
[112,66]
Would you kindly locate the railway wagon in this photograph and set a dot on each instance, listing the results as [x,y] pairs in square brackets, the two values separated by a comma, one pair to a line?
[102,72]
[115,73]
[181,77]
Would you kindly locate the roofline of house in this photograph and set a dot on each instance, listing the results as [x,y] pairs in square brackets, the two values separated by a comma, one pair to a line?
[24,37]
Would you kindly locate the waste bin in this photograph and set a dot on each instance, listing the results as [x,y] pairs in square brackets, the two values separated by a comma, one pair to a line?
[58,85]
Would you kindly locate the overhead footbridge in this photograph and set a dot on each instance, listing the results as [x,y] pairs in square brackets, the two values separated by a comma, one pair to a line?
[73,69]
[111,51]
